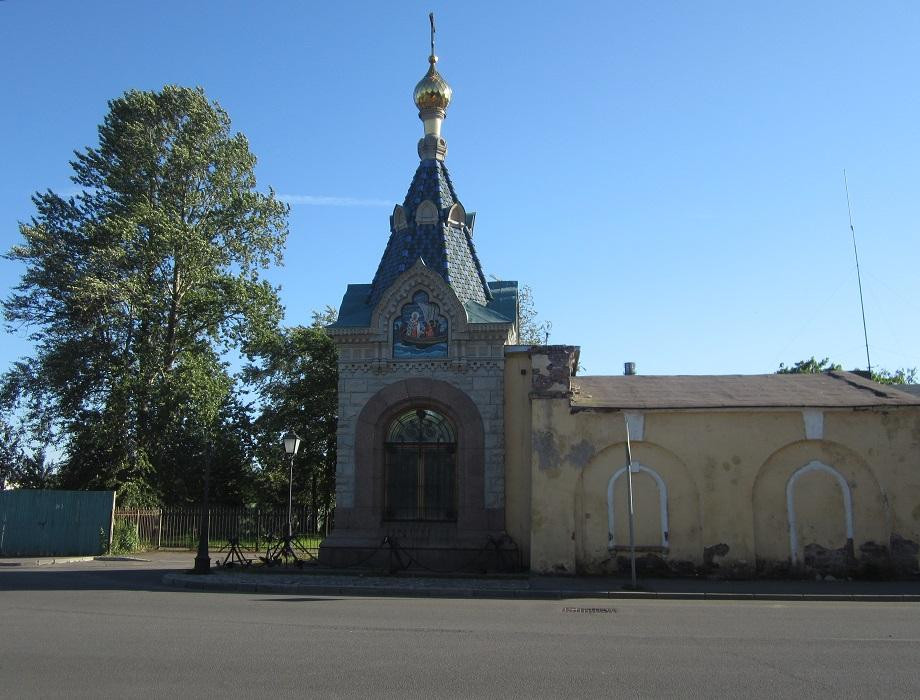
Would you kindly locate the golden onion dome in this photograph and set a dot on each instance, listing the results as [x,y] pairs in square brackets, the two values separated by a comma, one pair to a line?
[432,92]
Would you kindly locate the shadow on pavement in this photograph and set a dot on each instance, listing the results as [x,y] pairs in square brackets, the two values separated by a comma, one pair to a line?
[300,599]
[99,579]
[148,576]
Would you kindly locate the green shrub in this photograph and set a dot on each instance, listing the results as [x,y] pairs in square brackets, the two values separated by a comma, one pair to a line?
[125,539]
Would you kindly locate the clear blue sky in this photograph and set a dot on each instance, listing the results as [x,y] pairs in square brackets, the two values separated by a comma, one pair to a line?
[668,177]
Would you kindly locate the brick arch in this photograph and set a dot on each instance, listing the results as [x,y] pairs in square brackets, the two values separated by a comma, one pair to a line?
[375,418]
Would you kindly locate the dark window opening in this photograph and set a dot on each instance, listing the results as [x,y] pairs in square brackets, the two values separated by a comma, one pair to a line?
[421,468]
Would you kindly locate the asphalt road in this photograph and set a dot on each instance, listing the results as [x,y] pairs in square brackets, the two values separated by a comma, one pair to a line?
[110,630]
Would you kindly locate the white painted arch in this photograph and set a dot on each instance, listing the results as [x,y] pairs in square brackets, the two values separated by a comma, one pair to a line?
[790,502]
[636,467]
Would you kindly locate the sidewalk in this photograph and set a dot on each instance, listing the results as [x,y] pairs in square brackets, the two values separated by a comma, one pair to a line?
[539,587]
[175,568]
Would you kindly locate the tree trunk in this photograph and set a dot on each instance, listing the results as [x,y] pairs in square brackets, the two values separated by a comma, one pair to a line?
[169,352]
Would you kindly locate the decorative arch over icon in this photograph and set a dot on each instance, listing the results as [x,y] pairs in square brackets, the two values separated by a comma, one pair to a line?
[420,330]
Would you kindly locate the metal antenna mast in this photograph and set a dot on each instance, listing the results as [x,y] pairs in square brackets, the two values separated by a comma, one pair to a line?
[862,306]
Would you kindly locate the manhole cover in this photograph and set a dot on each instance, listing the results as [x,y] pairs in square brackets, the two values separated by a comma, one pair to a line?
[589,610]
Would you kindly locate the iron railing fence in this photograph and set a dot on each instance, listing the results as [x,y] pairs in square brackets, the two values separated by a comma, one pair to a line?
[253,528]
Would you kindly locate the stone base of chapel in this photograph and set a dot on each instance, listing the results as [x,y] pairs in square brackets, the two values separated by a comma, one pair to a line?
[396,549]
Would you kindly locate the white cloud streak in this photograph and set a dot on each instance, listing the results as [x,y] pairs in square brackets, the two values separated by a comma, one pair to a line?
[318,200]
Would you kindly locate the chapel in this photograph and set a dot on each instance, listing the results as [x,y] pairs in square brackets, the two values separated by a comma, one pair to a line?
[421,374]
[461,448]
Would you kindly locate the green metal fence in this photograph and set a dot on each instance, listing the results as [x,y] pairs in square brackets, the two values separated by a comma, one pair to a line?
[55,523]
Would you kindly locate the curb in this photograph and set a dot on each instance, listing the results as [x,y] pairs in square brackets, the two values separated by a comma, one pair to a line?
[69,560]
[106,557]
[199,583]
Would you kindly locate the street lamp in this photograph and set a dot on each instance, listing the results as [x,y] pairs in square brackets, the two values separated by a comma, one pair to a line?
[203,560]
[285,549]
[291,445]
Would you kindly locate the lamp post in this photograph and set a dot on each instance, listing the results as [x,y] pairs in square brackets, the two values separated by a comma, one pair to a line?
[291,445]
[285,548]
[203,560]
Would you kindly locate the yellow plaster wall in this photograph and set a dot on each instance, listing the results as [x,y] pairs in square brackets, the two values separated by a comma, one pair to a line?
[553,482]
[819,511]
[889,445]
[517,451]
[648,526]
[726,473]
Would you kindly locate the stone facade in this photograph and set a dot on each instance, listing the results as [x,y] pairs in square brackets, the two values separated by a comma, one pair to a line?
[467,386]
[480,379]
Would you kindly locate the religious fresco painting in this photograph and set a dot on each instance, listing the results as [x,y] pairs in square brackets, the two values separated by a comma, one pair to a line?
[420,331]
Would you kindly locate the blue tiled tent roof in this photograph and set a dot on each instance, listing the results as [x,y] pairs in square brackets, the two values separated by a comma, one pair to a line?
[448,250]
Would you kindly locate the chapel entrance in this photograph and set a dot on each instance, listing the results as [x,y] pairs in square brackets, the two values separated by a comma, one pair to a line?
[419,483]
[420,473]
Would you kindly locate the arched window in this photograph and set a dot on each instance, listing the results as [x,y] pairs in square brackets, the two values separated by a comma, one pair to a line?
[421,467]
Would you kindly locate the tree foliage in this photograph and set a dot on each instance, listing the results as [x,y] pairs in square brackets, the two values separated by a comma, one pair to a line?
[135,289]
[882,376]
[905,375]
[809,366]
[296,372]
[531,331]
[21,467]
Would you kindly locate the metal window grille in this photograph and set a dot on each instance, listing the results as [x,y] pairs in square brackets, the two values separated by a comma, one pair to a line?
[420,473]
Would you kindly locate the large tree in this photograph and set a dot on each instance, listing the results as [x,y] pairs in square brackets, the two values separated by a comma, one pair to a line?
[135,289]
[296,372]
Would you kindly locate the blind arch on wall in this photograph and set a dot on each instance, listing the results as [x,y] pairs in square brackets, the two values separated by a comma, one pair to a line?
[636,467]
[790,503]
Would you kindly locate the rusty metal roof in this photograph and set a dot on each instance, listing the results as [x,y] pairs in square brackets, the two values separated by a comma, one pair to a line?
[825,390]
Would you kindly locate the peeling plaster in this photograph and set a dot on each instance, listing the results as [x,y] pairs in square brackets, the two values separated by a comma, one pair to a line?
[581,454]
[904,553]
[544,446]
[710,553]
